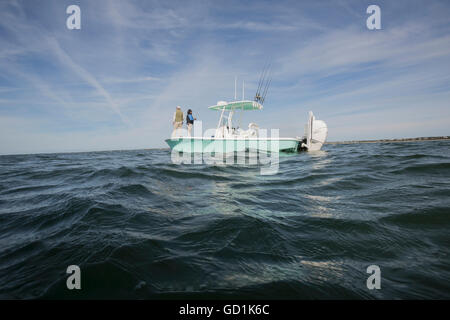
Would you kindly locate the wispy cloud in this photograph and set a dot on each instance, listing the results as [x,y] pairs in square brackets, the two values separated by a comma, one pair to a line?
[84,74]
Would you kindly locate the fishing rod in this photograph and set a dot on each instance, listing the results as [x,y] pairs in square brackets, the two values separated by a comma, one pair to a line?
[262,80]
[266,89]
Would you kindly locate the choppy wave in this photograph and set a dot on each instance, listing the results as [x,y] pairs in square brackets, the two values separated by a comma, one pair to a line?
[140,226]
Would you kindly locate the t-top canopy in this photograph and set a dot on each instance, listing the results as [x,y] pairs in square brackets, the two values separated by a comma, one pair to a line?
[237,105]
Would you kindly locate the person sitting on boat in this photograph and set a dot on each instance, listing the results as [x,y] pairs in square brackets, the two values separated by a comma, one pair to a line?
[177,120]
[190,121]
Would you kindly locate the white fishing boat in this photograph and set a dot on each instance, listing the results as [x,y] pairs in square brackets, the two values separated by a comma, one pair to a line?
[227,138]
[230,139]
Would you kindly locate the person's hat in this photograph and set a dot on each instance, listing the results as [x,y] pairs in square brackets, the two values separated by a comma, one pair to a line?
[178,107]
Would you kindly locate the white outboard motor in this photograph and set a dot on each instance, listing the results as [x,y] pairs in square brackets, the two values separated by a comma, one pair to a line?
[316,132]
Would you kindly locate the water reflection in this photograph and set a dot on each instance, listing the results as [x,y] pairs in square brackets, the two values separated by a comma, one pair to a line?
[326,271]
[320,159]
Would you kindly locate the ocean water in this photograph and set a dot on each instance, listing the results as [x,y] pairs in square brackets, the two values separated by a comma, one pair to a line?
[141,227]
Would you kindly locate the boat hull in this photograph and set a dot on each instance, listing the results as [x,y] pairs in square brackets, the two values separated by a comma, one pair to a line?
[212,145]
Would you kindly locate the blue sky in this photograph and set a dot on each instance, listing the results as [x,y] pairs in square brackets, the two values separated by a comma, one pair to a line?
[115,83]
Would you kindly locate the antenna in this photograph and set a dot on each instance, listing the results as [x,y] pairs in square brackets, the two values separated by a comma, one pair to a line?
[235,81]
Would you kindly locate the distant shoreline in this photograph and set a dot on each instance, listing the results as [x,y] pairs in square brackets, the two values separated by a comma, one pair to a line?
[166,148]
[391,140]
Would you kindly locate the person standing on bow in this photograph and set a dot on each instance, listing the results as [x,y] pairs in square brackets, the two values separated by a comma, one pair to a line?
[190,121]
[177,121]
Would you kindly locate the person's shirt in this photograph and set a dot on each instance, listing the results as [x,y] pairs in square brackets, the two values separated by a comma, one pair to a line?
[178,116]
[190,119]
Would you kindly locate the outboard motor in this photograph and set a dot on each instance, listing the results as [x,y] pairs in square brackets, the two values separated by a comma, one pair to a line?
[316,132]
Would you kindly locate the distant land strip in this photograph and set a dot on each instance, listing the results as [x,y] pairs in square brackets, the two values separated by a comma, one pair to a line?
[391,140]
